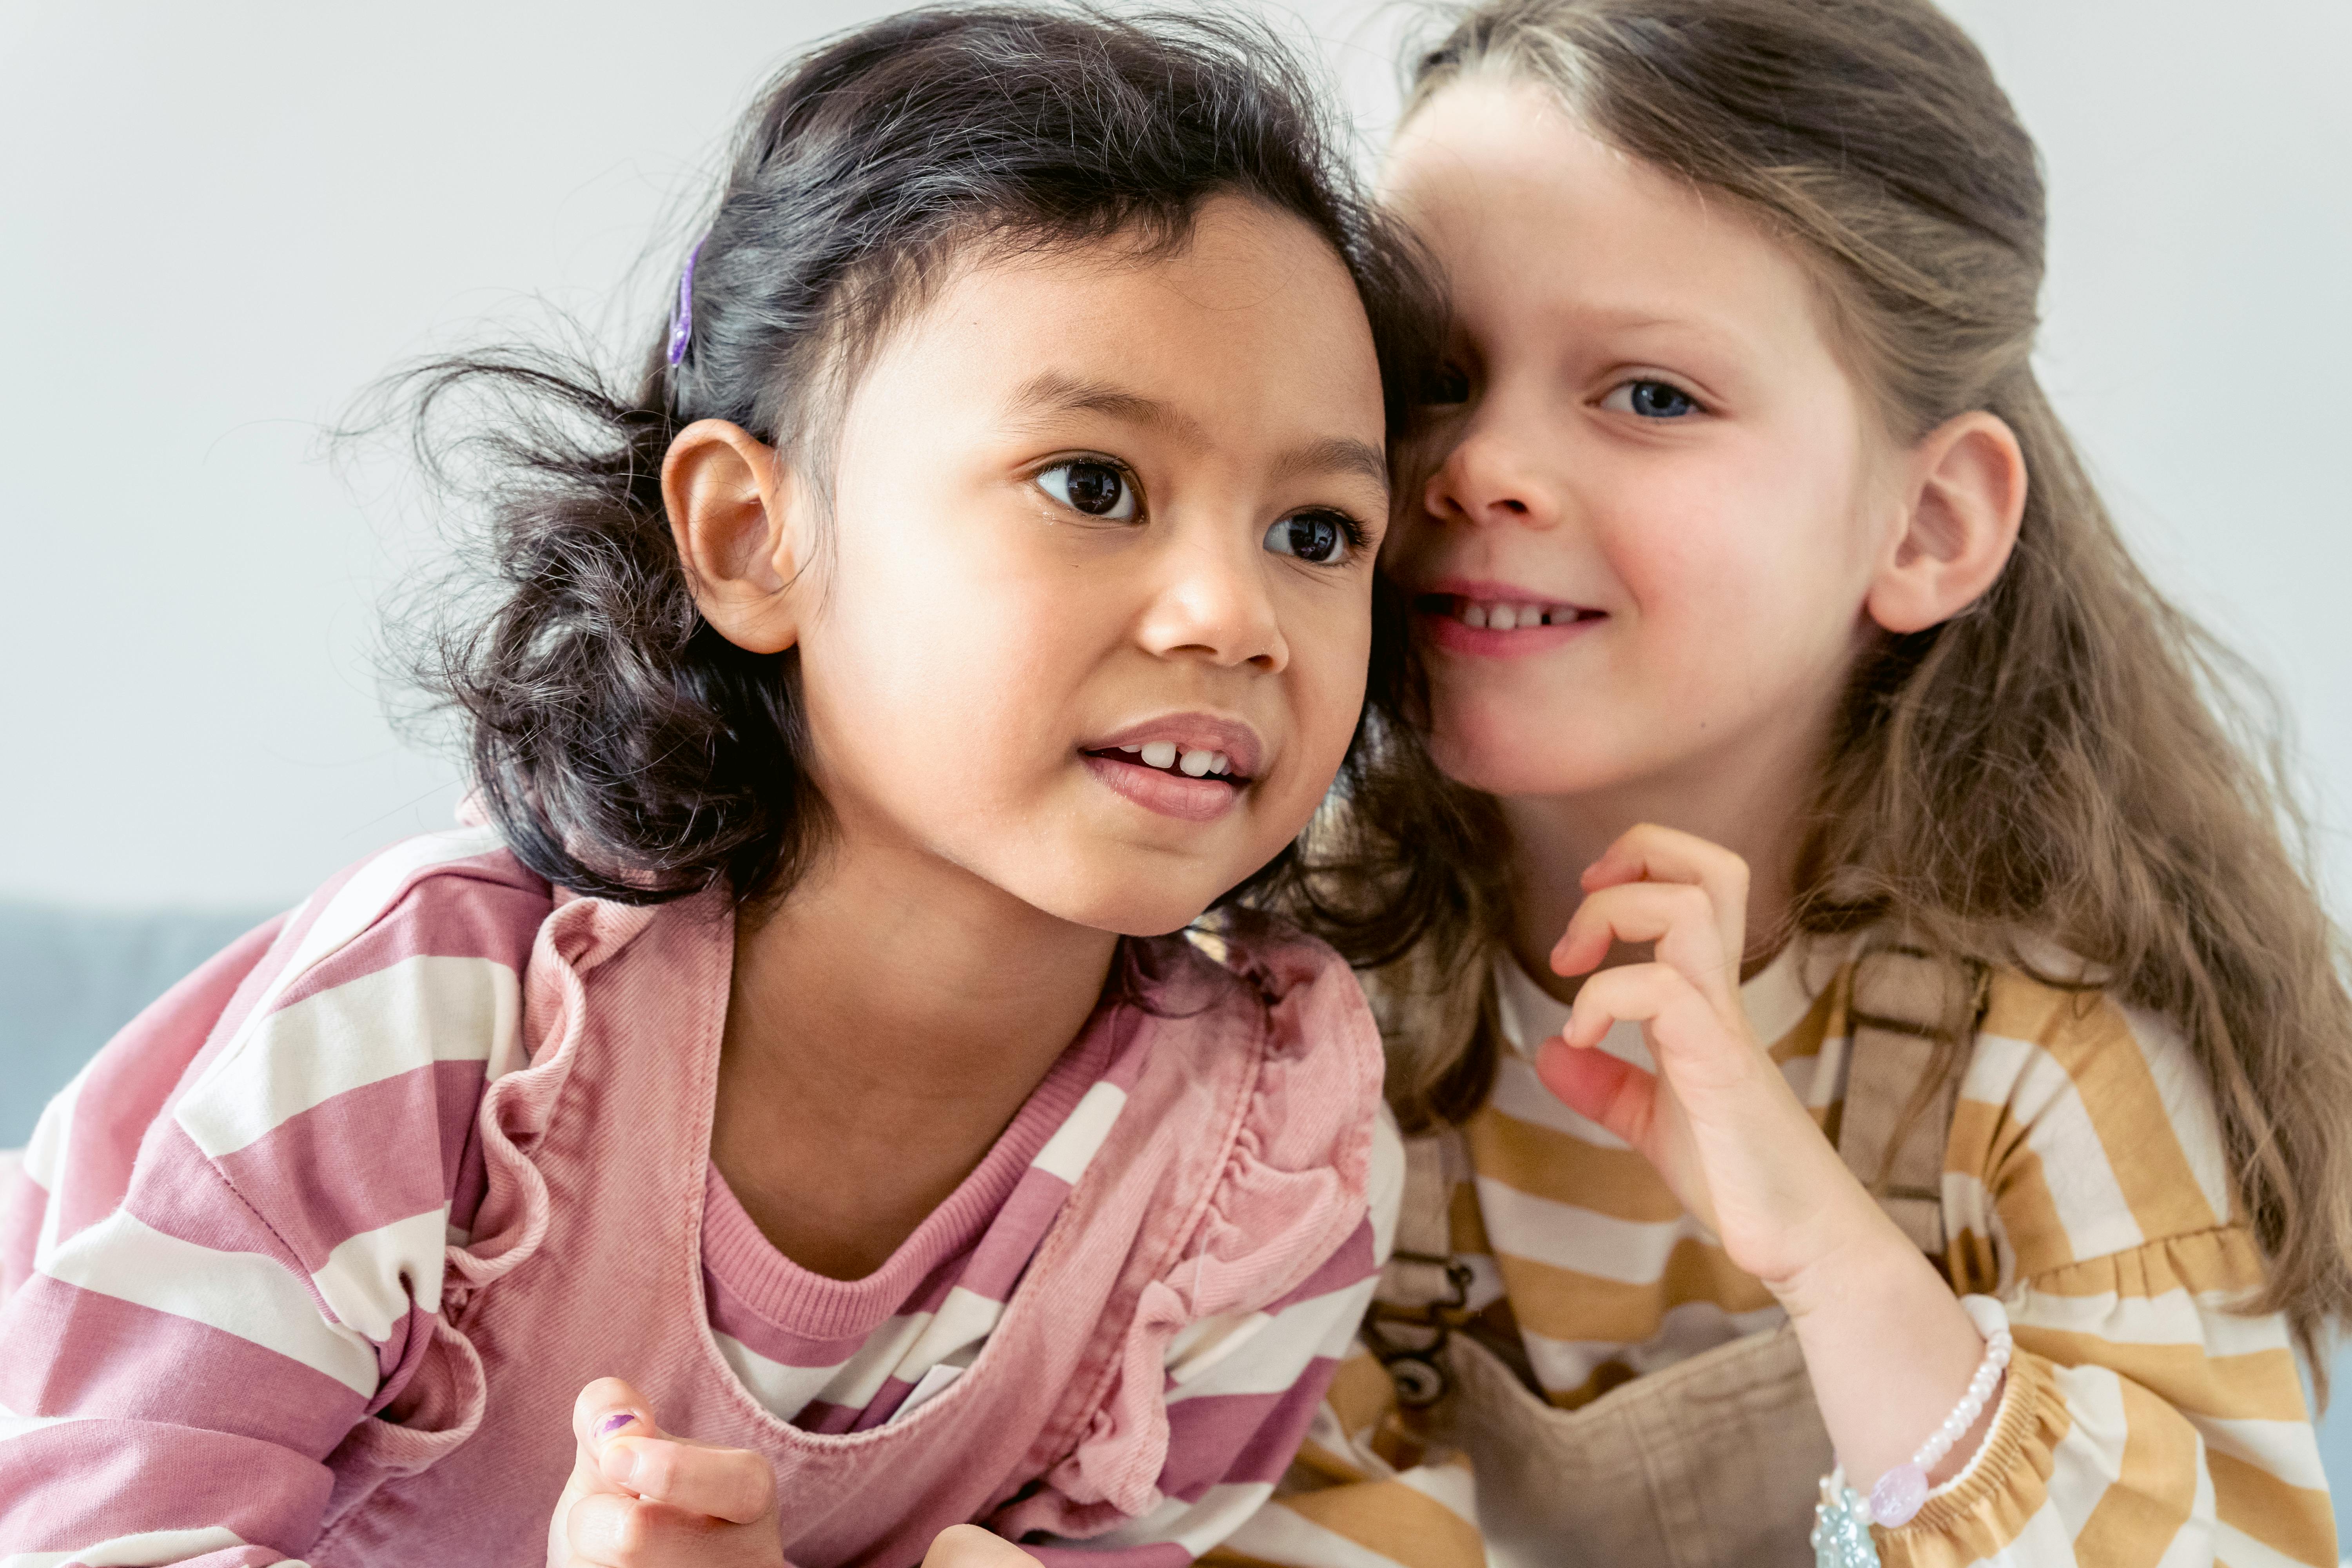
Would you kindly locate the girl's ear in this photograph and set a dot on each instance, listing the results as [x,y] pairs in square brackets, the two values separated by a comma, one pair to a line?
[741,520]
[1964,495]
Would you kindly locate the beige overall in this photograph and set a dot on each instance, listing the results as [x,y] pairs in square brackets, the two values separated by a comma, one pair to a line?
[1716,1459]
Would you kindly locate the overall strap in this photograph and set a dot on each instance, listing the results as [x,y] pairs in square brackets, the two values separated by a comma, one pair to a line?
[1423,1227]
[1424,1288]
[1900,1013]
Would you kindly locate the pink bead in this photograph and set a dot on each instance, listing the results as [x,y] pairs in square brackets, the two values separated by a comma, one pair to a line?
[1898,1495]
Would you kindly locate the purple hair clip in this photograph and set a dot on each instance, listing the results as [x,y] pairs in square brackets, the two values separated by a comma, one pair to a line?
[681,325]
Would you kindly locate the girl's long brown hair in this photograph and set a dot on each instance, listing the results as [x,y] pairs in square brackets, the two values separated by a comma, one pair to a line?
[2049,767]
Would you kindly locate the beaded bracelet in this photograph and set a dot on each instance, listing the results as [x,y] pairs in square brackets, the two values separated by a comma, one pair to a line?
[1841,1521]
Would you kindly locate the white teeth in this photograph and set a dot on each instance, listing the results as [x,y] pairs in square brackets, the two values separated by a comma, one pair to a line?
[1196,764]
[1512,618]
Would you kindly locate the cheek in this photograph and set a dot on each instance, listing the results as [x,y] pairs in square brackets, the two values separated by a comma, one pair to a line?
[1738,563]
[926,665]
[1331,652]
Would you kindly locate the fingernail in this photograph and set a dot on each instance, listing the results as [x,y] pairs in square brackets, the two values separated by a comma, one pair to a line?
[615,1421]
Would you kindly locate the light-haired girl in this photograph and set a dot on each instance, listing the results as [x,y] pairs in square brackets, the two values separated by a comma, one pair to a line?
[786,1130]
[1888,1086]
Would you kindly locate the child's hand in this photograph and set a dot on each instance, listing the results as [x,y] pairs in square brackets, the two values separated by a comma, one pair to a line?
[1718,1120]
[638,1499]
[969,1546]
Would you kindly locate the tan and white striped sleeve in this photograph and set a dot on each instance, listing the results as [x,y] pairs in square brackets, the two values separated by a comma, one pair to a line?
[2145,1421]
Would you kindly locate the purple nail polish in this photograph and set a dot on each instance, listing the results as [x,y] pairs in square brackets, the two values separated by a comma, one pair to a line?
[615,1421]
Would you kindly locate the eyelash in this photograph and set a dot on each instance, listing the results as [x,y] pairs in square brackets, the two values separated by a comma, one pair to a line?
[1132,490]
[1350,530]
[1633,381]
[1354,532]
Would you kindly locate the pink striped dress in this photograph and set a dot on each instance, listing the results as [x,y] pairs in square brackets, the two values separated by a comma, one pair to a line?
[227,1250]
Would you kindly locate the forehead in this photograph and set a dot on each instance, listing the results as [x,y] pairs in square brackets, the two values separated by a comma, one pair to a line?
[1251,325]
[1529,212]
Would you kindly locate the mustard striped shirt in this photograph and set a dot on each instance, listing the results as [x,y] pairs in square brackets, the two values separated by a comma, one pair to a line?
[2084,1185]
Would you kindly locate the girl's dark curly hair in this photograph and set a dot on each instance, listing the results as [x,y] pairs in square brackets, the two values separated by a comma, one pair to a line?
[623,746]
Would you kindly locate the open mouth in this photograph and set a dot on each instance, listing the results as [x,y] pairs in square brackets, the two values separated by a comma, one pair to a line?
[1167,757]
[1499,614]
[1195,767]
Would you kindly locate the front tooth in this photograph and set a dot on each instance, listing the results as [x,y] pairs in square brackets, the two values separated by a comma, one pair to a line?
[1530,615]
[1473,615]
[1195,763]
[1159,753]
[1502,618]
[1220,764]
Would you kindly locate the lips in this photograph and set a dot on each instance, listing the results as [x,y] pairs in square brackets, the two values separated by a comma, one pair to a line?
[1194,766]
[1498,619]
[1173,740]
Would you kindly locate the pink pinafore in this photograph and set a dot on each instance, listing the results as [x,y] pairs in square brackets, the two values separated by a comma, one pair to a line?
[1236,1167]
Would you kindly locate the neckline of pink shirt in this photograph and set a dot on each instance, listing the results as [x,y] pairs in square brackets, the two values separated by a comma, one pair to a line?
[813,1306]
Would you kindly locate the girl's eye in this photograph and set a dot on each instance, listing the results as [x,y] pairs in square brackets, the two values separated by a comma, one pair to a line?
[1319,537]
[1650,400]
[1095,487]
[1446,384]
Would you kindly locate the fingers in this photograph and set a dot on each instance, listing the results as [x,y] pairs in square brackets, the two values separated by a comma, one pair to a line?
[732,1485]
[609,1530]
[641,1498]
[607,1408]
[620,1444]
[1680,919]
[1652,854]
[1597,1087]
[969,1546]
[1698,1048]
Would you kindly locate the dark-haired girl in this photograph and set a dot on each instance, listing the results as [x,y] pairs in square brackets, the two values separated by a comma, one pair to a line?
[785,1113]
[1888,1084]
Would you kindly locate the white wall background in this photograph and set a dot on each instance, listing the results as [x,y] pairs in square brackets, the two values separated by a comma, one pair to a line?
[218,223]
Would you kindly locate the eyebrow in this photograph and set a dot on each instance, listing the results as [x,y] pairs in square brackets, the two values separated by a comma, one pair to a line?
[1052,392]
[1335,455]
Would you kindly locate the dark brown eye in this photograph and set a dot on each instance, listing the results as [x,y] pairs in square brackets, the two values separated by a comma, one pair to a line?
[1320,538]
[1445,386]
[1096,488]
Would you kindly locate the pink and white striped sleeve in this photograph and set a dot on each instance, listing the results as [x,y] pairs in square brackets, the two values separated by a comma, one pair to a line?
[225,1247]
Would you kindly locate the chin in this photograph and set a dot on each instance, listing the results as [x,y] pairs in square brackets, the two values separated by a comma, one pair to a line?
[1499,762]
[1132,911]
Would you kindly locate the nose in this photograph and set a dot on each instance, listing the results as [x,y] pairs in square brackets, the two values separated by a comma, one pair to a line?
[1214,603]
[1490,476]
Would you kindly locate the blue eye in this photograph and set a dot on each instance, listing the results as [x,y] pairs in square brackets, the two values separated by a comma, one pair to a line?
[1650,400]
[1319,537]
[1090,486]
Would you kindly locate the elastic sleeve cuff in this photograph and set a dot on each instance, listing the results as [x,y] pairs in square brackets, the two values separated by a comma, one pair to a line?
[1986,1505]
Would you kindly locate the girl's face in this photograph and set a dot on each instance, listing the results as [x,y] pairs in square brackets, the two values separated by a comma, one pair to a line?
[1091,617]
[1645,549]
